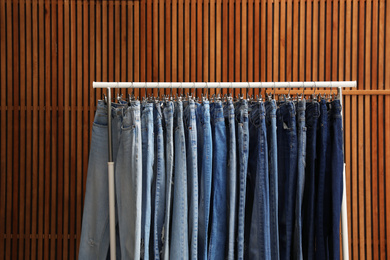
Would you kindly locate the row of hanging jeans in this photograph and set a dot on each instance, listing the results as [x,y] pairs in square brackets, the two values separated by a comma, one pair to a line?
[217,180]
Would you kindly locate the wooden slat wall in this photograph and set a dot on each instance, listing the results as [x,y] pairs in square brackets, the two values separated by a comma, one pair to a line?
[51,51]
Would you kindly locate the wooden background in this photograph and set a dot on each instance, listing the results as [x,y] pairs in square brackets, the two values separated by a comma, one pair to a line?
[51,51]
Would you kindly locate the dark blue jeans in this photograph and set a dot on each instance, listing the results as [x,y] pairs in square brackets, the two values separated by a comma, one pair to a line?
[336,170]
[309,196]
[218,221]
[257,205]
[301,134]
[322,170]
[270,120]
[287,165]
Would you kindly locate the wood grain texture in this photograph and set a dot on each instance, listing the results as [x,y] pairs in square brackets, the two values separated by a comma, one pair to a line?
[51,51]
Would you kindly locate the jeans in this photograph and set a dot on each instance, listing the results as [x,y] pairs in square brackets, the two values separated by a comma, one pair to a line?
[337,161]
[232,177]
[270,119]
[205,148]
[309,196]
[168,139]
[192,176]
[95,235]
[287,169]
[257,204]
[179,239]
[147,173]
[242,130]
[301,134]
[158,190]
[321,169]
[218,224]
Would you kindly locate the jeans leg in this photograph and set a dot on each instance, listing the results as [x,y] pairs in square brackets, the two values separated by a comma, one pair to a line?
[158,190]
[259,225]
[310,194]
[270,114]
[242,131]
[168,126]
[129,183]
[218,224]
[147,173]
[287,166]
[232,177]
[301,134]
[205,170]
[192,176]
[179,238]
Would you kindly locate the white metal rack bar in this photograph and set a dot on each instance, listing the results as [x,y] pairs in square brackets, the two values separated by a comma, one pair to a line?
[296,84]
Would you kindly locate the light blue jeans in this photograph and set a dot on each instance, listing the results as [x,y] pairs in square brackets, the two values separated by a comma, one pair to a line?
[232,177]
[218,223]
[270,119]
[168,136]
[242,131]
[95,235]
[158,190]
[205,148]
[192,175]
[147,173]
[258,186]
[179,238]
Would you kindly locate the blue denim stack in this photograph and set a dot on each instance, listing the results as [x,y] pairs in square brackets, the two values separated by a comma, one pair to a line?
[217,180]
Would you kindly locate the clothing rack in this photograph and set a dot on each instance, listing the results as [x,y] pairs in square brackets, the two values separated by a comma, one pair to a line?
[302,84]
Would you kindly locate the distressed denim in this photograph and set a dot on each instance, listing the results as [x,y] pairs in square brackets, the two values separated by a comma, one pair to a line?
[242,130]
[147,175]
[218,225]
[158,190]
[228,111]
[168,111]
[309,196]
[322,170]
[205,149]
[179,238]
[336,170]
[301,134]
[270,119]
[192,176]
[95,233]
[287,169]
[257,204]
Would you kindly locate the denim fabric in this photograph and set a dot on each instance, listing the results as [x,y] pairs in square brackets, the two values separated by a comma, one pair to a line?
[218,225]
[128,183]
[270,119]
[228,111]
[242,130]
[205,148]
[337,160]
[301,134]
[147,175]
[309,196]
[158,190]
[192,176]
[95,235]
[321,169]
[168,139]
[287,169]
[257,204]
[179,238]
